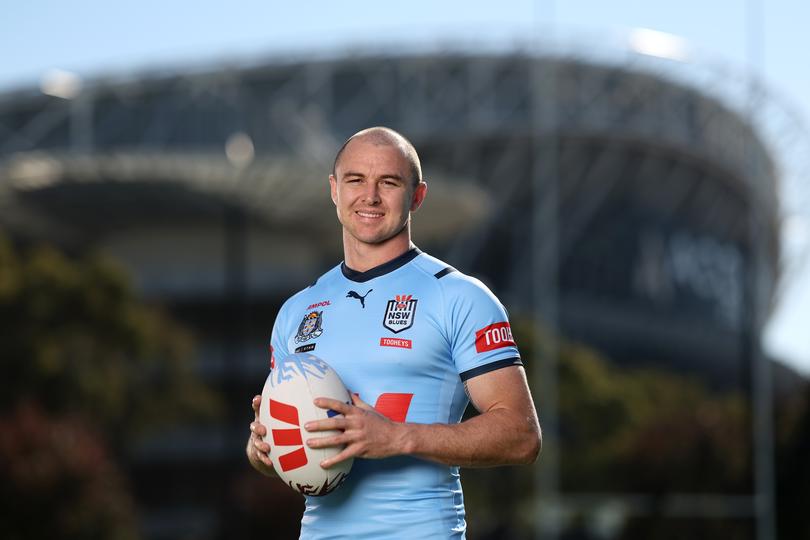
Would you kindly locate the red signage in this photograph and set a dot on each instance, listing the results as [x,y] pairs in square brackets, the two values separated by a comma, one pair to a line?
[494,337]
[395,342]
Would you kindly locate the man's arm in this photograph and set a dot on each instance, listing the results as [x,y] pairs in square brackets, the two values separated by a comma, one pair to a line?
[258,451]
[505,433]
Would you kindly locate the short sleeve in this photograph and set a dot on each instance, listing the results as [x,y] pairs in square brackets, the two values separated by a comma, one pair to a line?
[481,337]
[279,337]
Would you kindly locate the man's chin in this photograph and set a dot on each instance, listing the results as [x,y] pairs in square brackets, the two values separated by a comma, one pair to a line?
[375,237]
[372,238]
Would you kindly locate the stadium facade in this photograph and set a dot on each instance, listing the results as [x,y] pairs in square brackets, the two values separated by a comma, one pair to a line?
[210,187]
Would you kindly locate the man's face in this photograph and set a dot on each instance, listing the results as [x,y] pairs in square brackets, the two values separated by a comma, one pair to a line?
[373,191]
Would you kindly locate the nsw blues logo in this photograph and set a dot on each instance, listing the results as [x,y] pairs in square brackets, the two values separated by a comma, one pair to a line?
[310,327]
[400,313]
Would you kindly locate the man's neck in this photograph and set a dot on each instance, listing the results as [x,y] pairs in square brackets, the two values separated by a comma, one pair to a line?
[361,257]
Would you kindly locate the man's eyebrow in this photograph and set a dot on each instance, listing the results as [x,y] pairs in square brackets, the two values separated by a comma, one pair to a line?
[392,176]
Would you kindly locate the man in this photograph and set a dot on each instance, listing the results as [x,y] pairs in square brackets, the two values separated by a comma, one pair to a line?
[417,338]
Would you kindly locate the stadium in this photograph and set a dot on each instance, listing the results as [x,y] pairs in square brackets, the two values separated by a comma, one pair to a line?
[210,187]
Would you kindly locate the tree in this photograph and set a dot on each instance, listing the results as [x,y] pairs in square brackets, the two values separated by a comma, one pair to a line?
[621,430]
[58,480]
[84,359]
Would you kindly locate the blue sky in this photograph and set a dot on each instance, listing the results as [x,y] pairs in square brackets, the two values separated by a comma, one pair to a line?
[95,38]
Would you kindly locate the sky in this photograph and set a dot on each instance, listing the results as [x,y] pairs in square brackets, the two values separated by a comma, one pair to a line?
[95,38]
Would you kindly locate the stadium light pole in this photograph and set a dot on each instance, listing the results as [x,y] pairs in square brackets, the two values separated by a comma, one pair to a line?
[759,366]
[544,259]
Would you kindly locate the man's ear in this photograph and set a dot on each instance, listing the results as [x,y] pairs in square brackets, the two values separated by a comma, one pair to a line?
[419,194]
[333,188]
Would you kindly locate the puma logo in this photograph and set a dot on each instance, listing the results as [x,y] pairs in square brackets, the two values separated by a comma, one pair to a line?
[353,294]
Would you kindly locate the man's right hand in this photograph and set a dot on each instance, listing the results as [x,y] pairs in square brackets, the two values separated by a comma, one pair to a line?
[258,451]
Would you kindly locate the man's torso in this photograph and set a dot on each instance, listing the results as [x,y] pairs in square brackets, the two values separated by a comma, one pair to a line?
[402,336]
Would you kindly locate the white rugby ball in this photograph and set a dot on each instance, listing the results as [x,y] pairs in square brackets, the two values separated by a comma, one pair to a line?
[294,382]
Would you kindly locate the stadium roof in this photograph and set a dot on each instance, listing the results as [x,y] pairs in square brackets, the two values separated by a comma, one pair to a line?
[75,198]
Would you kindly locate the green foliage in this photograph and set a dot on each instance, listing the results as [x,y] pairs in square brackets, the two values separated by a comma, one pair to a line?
[76,340]
[88,371]
[619,423]
[620,430]
[642,430]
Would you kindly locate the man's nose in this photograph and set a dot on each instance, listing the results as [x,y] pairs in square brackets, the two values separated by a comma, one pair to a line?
[372,194]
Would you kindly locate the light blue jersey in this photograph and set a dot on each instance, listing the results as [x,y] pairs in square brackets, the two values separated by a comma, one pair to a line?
[405,336]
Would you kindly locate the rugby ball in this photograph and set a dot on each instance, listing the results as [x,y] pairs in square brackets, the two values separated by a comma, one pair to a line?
[293,383]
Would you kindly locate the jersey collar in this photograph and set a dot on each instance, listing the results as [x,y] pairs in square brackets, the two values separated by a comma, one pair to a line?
[381,270]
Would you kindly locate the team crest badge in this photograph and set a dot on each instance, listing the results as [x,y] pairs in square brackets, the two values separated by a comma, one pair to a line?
[310,327]
[399,313]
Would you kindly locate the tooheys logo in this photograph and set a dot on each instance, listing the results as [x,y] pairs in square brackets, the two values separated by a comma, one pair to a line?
[494,337]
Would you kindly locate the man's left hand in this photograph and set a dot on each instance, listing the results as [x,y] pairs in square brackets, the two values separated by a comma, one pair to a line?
[365,432]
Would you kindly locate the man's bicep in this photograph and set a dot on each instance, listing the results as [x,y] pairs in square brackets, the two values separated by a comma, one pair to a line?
[504,388]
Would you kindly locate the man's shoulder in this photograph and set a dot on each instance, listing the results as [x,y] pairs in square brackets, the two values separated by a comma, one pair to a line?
[449,279]
[430,265]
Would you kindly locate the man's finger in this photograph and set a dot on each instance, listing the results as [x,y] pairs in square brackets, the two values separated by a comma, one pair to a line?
[347,453]
[256,403]
[262,447]
[326,442]
[258,429]
[264,458]
[338,422]
[333,404]
[360,403]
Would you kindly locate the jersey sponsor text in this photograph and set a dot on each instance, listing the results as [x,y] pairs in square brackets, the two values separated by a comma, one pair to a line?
[395,342]
[494,336]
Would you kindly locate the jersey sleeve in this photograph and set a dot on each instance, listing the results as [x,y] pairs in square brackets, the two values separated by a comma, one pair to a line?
[480,334]
[280,335]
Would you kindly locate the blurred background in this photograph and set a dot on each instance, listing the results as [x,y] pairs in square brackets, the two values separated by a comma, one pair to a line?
[631,180]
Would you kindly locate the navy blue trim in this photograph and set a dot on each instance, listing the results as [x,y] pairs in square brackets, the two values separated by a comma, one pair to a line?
[441,273]
[377,271]
[486,368]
